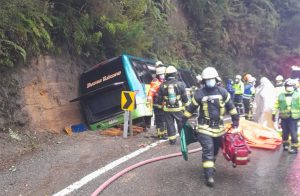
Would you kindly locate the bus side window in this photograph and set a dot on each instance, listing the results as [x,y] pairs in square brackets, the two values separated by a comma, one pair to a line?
[142,71]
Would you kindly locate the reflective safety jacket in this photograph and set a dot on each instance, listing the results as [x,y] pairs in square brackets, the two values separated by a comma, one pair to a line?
[249,91]
[288,105]
[153,91]
[238,88]
[213,103]
[181,96]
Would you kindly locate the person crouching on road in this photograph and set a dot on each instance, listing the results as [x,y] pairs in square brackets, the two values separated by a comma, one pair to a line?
[172,98]
[213,101]
[152,98]
[288,106]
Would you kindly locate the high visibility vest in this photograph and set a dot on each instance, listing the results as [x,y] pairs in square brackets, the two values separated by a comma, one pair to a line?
[238,88]
[249,91]
[154,87]
[291,109]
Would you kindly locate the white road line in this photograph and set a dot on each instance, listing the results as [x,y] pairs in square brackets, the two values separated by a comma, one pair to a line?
[97,173]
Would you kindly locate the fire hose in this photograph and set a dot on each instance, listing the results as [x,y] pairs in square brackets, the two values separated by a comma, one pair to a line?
[130,168]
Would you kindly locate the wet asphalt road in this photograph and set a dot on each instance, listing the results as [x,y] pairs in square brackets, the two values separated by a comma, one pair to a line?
[56,167]
[269,173]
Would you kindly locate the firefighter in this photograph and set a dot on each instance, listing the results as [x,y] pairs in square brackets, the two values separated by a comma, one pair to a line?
[238,94]
[172,98]
[279,85]
[152,98]
[213,101]
[248,98]
[288,106]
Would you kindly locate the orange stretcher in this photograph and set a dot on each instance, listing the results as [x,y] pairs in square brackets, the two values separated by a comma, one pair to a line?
[258,136]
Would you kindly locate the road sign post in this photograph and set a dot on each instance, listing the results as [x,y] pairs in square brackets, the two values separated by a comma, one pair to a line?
[126,120]
[127,104]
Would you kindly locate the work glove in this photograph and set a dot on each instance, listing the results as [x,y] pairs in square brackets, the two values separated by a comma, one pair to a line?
[273,117]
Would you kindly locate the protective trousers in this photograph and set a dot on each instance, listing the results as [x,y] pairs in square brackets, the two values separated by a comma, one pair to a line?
[290,127]
[238,102]
[210,148]
[170,118]
[159,122]
[248,105]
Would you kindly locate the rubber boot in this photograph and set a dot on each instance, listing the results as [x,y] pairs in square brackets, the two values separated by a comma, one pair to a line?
[172,142]
[209,173]
[210,182]
[165,135]
[293,150]
[285,145]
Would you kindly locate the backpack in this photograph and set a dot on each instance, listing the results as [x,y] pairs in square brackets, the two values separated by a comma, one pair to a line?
[235,149]
[172,97]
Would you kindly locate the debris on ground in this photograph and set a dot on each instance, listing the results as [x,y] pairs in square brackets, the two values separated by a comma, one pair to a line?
[13,168]
[118,131]
[14,135]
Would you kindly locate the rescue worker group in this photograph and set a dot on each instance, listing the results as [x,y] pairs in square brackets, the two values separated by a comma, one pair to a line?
[210,102]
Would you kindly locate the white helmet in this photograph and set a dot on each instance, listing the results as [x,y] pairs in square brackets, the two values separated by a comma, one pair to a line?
[158,63]
[160,70]
[290,82]
[209,73]
[238,77]
[279,78]
[171,69]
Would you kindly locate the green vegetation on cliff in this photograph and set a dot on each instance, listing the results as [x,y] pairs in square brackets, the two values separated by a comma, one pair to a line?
[235,36]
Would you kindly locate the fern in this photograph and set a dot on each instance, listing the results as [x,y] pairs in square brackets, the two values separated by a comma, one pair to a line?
[16,47]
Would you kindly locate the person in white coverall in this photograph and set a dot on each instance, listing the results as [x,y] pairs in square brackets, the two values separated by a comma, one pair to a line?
[264,102]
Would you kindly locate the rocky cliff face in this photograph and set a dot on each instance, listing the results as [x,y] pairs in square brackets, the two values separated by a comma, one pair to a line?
[43,91]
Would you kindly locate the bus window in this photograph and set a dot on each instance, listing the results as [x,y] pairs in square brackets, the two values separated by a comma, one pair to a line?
[142,70]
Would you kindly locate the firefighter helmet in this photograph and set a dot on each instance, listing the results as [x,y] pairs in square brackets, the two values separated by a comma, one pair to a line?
[209,73]
[247,77]
[158,63]
[290,82]
[238,77]
[279,78]
[160,70]
[171,69]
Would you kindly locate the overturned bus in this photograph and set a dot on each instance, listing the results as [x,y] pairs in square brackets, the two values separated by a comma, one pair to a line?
[101,87]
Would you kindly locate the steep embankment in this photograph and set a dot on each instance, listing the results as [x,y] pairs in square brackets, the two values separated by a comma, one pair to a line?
[45,88]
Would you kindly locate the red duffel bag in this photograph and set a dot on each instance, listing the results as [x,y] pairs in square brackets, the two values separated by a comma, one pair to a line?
[235,149]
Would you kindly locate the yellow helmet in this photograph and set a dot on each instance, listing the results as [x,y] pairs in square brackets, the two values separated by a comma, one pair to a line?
[171,69]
